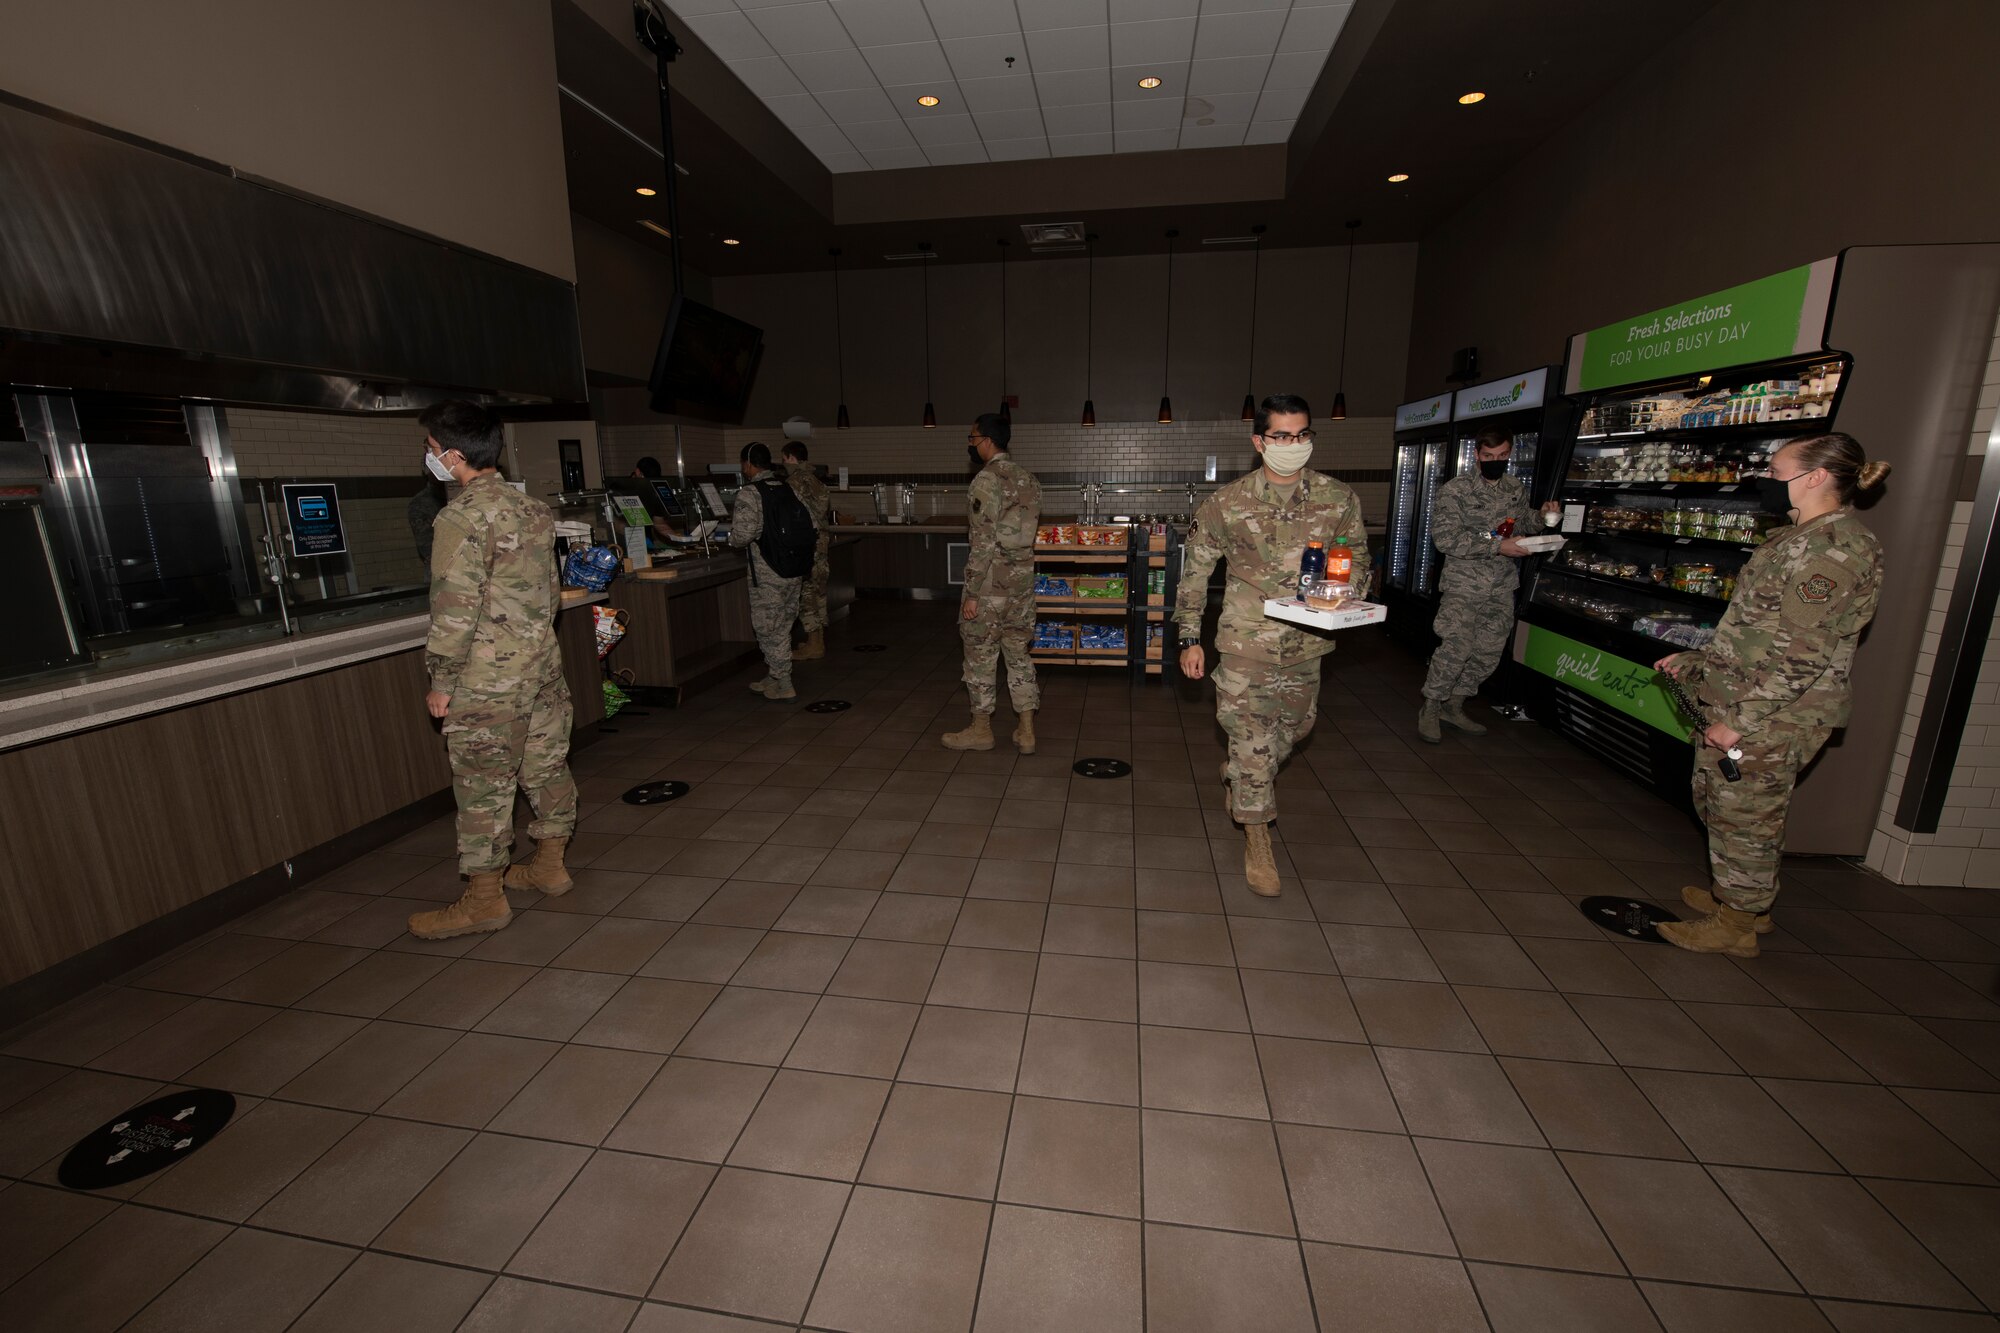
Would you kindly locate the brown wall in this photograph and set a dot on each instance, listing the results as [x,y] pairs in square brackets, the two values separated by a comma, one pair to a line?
[440,116]
[1298,335]
[622,292]
[1778,133]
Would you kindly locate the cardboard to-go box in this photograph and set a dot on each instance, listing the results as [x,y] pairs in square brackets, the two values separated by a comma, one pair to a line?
[1550,541]
[1349,616]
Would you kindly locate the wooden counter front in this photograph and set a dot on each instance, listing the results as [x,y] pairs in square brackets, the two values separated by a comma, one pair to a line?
[685,621]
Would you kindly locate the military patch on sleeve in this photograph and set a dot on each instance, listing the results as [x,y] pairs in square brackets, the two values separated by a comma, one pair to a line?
[978,506]
[1820,592]
[1816,590]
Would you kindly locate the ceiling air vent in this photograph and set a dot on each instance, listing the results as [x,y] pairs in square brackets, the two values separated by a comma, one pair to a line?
[914,254]
[1052,233]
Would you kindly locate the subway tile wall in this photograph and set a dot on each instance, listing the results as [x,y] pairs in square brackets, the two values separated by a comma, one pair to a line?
[1965,850]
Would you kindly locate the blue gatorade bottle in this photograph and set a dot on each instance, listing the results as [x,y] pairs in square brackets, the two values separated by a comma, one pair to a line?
[1312,567]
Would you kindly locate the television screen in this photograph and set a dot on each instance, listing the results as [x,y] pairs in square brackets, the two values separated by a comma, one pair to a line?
[705,363]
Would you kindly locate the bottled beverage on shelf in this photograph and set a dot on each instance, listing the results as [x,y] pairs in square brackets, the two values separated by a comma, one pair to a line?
[1312,566]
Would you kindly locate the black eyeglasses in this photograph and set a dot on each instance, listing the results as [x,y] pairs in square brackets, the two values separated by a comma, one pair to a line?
[1286,437]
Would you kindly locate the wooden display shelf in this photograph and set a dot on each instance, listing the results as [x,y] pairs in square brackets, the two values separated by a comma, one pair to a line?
[1082,555]
[1096,606]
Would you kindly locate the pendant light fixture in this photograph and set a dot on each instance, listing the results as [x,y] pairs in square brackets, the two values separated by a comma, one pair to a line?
[1089,322]
[930,412]
[1346,305]
[839,351]
[1167,349]
[1256,272]
[1006,413]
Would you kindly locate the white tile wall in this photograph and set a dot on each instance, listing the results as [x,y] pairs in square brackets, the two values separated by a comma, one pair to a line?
[1965,850]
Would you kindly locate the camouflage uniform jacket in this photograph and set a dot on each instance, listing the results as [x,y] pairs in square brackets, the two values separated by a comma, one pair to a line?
[1782,652]
[1002,508]
[812,493]
[746,524]
[1467,510]
[1262,530]
[494,593]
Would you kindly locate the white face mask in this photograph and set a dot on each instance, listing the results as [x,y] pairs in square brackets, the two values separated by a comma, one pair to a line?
[1285,459]
[436,466]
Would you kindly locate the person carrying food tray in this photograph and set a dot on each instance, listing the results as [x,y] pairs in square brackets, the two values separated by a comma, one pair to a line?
[1773,682]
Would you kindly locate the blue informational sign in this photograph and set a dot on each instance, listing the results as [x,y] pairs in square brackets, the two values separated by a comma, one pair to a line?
[312,513]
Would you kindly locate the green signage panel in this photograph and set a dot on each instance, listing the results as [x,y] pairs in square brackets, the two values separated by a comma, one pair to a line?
[1780,316]
[1625,685]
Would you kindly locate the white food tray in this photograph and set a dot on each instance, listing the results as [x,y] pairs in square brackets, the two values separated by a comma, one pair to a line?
[1552,541]
[1296,611]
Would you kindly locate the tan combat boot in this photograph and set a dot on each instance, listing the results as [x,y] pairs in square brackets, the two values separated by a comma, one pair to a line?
[1259,866]
[1452,714]
[814,646]
[544,871]
[1024,732]
[1427,722]
[1701,900]
[481,908]
[978,734]
[1725,930]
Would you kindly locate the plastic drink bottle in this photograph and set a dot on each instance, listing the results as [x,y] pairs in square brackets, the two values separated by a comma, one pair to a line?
[1340,563]
[1312,567]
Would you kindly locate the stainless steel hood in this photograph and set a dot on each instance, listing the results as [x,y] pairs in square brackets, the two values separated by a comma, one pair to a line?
[127,267]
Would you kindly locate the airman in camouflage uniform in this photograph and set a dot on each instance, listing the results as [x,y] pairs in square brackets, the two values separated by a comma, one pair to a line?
[1267,681]
[774,600]
[1475,612]
[997,615]
[812,493]
[496,676]
[1774,685]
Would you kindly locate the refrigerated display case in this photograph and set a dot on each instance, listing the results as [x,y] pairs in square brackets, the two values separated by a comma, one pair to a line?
[1522,406]
[1408,583]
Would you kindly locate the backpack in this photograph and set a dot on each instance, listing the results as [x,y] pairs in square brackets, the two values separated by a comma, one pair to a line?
[789,540]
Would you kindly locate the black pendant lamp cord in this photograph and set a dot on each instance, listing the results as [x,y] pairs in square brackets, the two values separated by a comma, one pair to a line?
[1347,304]
[1256,273]
[1003,323]
[839,350]
[1167,348]
[927,327]
[1089,311]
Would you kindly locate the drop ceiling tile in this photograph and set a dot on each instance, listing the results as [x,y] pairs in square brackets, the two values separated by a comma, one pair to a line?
[1240,74]
[1282,103]
[1038,14]
[1223,109]
[731,36]
[883,22]
[688,9]
[1080,145]
[1074,120]
[973,18]
[1315,29]
[986,57]
[833,71]
[908,62]
[768,76]
[935,131]
[1070,48]
[1140,11]
[796,29]
[1147,141]
[876,136]
[1125,82]
[954,154]
[1014,93]
[1295,69]
[999,125]
[766,4]
[1074,87]
[824,139]
[858,104]
[1241,6]
[843,161]
[1015,150]
[1212,136]
[1239,35]
[1161,42]
[800,112]
[1145,116]
[1268,131]
[895,159]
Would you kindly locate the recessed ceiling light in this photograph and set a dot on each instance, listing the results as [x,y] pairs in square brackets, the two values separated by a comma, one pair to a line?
[1471,98]
[927,100]
[1399,178]
[646,190]
[1150,81]
[731,240]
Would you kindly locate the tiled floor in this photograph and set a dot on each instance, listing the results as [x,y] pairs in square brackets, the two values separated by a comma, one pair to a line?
[862,1034]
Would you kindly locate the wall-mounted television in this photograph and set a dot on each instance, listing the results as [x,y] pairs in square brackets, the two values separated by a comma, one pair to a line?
[705,363]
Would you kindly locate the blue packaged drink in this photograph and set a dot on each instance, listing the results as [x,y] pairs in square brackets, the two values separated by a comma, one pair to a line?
[1312,567]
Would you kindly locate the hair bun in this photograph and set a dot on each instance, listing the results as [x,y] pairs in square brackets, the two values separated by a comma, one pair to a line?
[1871,475]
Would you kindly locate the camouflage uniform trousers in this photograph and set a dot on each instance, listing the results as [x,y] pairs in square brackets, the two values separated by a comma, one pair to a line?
[1473,625]
[1002,627]
[1746,818]
[1266,711]
[812,591]
[497,745]
[774,604]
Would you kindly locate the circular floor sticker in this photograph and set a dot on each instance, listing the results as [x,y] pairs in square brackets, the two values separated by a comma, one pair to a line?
[652,793]
[871,647]
[1628,917]
[829,706]
[1102,768]
[146,1138]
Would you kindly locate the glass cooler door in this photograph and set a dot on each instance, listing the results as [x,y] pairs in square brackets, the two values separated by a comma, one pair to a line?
[1403,515]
